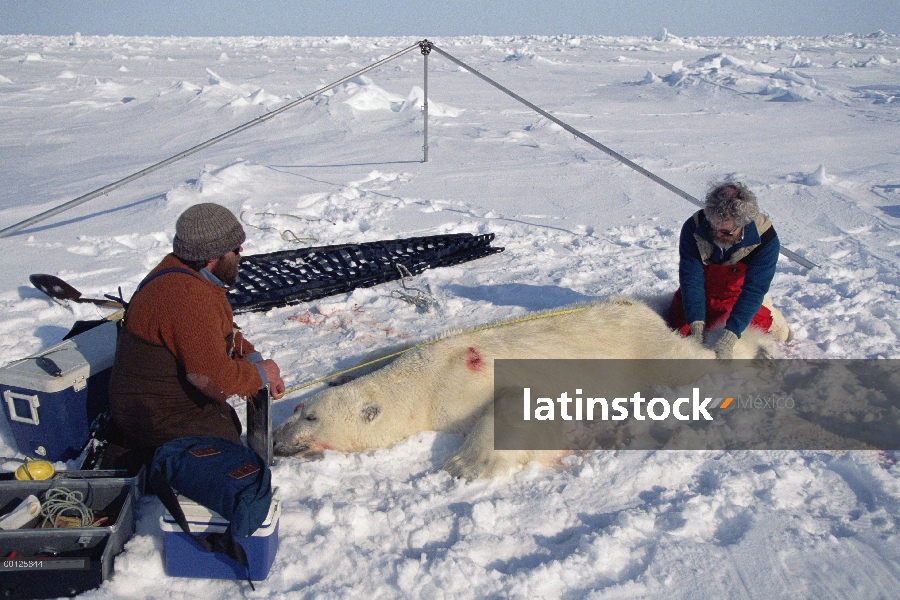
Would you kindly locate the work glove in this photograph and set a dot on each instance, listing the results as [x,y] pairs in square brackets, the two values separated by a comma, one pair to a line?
[697,331]
[725,346]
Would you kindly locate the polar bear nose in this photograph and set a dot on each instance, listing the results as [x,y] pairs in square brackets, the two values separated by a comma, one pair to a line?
[293,448]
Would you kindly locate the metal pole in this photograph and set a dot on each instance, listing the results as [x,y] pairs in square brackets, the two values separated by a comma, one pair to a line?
[425,45]
[791,255]
[108,188]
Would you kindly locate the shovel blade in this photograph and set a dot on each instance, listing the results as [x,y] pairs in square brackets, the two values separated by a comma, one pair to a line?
[54,287]
[60,290]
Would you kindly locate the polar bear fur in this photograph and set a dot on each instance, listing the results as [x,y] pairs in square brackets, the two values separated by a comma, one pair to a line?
[447,383]
[779,330]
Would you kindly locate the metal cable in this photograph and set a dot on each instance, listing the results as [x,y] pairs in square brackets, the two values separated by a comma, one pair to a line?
[425,47]
[628,163]
[261,119]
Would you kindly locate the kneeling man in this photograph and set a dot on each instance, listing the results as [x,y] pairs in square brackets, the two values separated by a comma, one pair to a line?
[727,257]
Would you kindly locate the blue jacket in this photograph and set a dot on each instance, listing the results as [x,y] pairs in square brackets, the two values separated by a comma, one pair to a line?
[696,249]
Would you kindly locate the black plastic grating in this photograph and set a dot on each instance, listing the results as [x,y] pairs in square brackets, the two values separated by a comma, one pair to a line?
[294,276]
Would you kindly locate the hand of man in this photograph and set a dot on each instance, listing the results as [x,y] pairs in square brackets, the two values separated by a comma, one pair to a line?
[697,330]
[725,346]
[273,374]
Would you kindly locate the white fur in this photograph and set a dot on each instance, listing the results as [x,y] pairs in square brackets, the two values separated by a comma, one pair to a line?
[442,386]
[780,331]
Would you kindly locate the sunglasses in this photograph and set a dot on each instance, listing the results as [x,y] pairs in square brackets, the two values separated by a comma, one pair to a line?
[238,249]
[728,231]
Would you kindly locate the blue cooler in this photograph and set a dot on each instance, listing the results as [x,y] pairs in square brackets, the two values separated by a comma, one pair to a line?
[51,399]
[185,558]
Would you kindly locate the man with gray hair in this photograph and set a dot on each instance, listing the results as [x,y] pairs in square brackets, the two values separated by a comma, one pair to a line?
[727,257]
[179,355]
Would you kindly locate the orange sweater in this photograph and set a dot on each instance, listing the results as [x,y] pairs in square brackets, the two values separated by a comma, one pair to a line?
[191,317]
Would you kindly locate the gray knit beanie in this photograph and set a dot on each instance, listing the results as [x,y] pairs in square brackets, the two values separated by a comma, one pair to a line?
[206,231]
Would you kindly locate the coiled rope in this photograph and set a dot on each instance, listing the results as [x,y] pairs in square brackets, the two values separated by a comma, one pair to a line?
[60,502]
[287,235]
[412,295]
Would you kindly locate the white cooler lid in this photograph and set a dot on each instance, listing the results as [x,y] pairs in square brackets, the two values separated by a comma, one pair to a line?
[78,358]
[202,520]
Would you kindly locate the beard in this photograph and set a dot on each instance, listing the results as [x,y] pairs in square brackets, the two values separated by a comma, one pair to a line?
[727,241]
[226,269]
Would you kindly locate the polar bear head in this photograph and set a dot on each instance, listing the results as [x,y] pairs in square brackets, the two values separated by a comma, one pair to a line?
[348,418]
[437,387]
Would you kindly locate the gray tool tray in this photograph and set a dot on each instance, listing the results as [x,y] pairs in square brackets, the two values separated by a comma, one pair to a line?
[69,546]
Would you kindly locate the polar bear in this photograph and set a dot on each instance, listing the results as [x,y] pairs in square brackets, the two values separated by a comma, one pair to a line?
[446,384]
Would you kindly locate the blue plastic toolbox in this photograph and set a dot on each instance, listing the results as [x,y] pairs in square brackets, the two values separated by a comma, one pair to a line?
[51,399]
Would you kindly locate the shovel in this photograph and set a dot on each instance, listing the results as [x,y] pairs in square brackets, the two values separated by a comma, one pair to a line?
[58,289]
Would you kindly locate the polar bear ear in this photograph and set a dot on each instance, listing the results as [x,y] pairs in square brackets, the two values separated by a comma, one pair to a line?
[369,412]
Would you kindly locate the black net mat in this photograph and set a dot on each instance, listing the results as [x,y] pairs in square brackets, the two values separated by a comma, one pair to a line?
[294,276]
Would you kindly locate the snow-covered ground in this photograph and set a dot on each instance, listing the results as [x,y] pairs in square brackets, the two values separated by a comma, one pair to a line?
[811,124]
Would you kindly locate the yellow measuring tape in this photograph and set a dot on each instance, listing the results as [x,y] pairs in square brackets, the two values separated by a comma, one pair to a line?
[428,343]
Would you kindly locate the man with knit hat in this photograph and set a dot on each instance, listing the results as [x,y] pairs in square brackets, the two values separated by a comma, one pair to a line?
[180,356]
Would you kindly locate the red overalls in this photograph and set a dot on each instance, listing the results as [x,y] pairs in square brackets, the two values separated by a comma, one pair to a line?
[722,286]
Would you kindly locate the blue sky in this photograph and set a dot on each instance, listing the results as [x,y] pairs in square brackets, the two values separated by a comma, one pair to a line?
[448,17]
